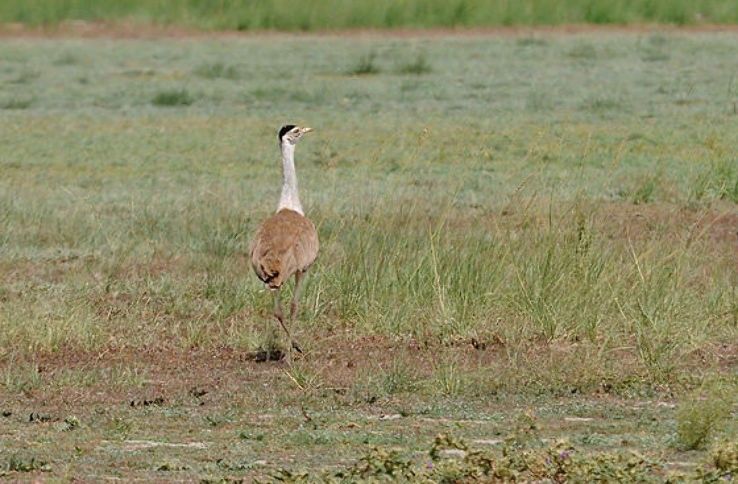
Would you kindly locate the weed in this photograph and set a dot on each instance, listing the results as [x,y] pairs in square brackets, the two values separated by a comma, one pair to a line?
[173,97]
[380,464]
[725,457]
[366,65]
[700,417]
[19,378]
[398,378]
[26,76]
[418,66]
[452,460]
[537,101]
[303,376]
[18,463]
[449,379]
[644,192]
[601,104]
[120,427]
[531,41]
[654,55]
[70,423]
[16,103]
[583,51]
[218,70]
[718,180]
[67,59]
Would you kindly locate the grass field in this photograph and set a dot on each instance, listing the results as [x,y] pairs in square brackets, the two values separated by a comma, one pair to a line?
[527,243]
[338,14]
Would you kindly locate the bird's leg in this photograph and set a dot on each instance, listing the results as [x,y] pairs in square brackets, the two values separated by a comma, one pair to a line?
[296,294]
[280,317]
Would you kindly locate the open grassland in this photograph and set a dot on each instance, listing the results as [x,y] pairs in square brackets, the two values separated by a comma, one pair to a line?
[339,14]
[524,239]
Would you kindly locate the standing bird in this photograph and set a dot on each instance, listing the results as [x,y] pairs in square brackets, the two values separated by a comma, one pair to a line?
[287,242]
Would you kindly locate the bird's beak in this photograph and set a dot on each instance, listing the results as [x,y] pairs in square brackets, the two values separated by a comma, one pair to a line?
[306,130]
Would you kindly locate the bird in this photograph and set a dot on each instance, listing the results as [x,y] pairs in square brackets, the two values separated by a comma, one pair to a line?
[286,243]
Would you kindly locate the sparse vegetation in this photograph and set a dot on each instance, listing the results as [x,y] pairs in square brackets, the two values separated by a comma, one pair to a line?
[173,97]
[418,66]
[518,246]
[330,14]
[452,460]
[218,70]
[701,416]
[365,65]
[16,103]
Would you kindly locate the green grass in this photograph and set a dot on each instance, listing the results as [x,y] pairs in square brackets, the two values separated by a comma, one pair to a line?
[543,229]
[335,14]
[173,97]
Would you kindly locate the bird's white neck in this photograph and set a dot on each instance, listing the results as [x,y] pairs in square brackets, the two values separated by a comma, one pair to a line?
[290,198]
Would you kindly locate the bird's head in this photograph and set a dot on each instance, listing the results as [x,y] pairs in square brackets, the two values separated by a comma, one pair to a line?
[291,134]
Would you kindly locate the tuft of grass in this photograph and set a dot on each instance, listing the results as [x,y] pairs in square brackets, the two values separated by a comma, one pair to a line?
[531,41]
[218,70]
[16,103]
[303,376]
[699,418]
[21,378]
[399,377]
[718,180]
[173,97]
[417,66]
[449,379]
[601,104]
[366,65]
[583,51]
[17,463]
[26,76]
[67,59]
[644,192]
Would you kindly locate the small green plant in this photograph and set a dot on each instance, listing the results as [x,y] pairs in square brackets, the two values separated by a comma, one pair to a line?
[449,380]
[452,460]
[600,104]
[538,101]
[722,466]
[366,65]
[417,66]
[398,378]
[67,59]
[70,423]
[120,427]
[21,377]
[699,417]
[719,180]
[381,464]
[218,70]
[644,192]
[725,457]
[173,97]
[304,377]
[583,51]
[20,464]
[26,76]
[531,41]
[16,103]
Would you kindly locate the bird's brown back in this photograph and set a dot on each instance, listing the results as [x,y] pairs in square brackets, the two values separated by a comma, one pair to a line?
[285,243]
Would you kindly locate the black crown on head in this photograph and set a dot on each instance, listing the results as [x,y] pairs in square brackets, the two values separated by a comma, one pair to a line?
[285,129]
